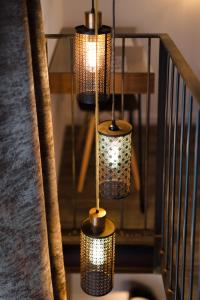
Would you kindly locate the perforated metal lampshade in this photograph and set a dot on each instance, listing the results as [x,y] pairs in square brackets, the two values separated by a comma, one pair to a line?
[114,159]
[97,258]
[86,62]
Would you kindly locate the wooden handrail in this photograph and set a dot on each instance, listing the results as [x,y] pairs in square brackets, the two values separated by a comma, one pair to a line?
[188,75]
[182,66]
[61,83]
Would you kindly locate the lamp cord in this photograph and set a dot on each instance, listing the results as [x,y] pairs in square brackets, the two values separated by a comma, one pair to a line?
[113,50]
[97,109]
[92,10]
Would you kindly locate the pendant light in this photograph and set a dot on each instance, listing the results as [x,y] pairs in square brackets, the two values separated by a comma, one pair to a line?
[97,253]
[114,149]
[115,159]
[97,241]
[86,45]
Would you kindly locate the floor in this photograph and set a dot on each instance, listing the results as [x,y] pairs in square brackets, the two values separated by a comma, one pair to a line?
[123,283]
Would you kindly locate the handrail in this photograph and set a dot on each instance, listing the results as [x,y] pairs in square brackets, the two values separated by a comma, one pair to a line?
[137,35]
[191,80]
[58,35]
[117,35]
[182,66]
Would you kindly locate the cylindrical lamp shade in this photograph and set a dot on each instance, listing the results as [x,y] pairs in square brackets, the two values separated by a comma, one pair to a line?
[97,259]
[85,63]
[114,159]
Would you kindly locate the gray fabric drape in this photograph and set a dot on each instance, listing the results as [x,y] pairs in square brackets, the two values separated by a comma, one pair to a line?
[31,259]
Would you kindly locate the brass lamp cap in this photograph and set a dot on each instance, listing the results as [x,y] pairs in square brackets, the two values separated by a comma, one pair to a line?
[124,128]
[97,219]
[90,19]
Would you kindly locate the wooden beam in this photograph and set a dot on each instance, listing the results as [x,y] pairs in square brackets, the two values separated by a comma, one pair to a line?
[61,83]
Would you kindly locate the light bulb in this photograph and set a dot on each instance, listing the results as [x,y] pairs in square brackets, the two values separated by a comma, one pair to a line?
[97,255]
[91,56]
[113,155]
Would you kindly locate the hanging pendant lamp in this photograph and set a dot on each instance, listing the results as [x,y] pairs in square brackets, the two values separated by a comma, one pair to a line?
[114,149]
[114,159]
[97,253]
[85,59]
[97,242]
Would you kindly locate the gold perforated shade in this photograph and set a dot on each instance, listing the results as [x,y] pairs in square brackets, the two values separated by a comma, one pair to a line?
[114,160]
[86,62]
[97,258]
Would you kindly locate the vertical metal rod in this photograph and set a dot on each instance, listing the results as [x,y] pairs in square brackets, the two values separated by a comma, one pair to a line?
[169,169]
[185,213]
[174,181]
[198,293]
[165,158]
[162,90]
[122,92]
[113,51]
[179,209]
[147,134]
[105,67]
[73,137]
[122,117]
[121,213]
[97,108]
[140,153]
[194,203]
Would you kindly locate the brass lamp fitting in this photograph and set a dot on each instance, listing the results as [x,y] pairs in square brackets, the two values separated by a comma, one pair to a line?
[90,19]
[97,219]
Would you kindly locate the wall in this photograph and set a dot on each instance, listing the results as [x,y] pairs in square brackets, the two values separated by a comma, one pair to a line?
[53,14]
[54,18]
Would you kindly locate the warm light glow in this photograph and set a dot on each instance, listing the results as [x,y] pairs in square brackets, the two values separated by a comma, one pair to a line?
[113,155]
[94,54]
[97,255]
[114,160]
[190,4]
[91,56]
[97,258]
[115,151]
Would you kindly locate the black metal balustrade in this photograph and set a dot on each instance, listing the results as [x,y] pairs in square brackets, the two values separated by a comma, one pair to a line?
[174,236]
[177,172]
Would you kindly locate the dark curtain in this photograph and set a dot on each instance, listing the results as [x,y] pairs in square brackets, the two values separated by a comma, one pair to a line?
[31,258]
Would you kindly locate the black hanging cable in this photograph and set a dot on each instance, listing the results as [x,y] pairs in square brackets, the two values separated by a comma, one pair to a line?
[113,125]
[92,10]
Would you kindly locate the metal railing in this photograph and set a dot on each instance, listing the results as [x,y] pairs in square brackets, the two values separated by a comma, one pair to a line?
[175,167]
[177,171]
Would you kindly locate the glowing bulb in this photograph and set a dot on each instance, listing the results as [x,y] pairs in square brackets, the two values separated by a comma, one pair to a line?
[91,56]
[114,159]
[113,156]
[96,250]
